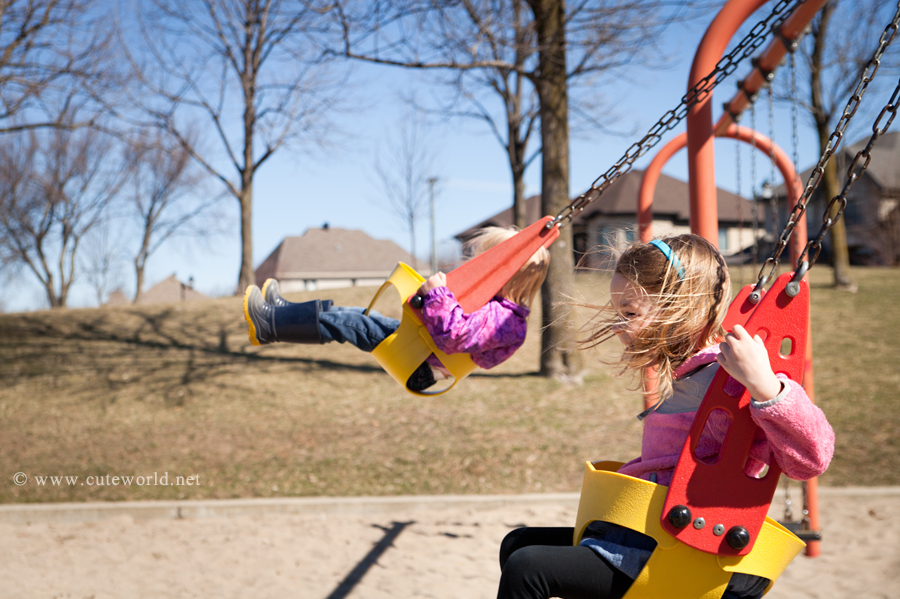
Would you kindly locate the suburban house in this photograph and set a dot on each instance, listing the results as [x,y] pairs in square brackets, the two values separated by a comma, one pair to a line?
[610,222]
[330,258]
[168,291]
[872,215]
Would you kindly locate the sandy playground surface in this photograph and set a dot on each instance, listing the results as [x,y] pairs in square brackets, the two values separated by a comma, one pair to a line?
[444,551]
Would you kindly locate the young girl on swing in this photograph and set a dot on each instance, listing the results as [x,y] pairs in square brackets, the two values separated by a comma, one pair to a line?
[668,300]
[490,335]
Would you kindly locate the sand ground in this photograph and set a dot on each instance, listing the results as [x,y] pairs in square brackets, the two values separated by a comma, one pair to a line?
[442,552]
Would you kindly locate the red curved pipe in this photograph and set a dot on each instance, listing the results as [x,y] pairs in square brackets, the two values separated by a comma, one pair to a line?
[764,144]
[700,134]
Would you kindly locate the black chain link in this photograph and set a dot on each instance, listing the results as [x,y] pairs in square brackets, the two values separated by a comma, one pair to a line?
[773,199]
[697,94]
[753,186]
[834,141]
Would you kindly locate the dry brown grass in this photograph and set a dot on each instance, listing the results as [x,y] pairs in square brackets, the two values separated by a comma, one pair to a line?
[179,389]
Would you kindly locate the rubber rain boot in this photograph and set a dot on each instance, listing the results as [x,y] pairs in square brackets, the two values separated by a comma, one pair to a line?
[272,295]
[293,323]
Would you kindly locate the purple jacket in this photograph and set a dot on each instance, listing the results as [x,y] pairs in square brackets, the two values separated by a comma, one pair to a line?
[490,334]
[794,432]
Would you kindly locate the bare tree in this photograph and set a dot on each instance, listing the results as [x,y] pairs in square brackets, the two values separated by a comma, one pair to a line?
[162,183]
[252,63]
[404,170]
[489,50]
[102,260]
[54,187]
[54,62]
[843,37]
[550,45]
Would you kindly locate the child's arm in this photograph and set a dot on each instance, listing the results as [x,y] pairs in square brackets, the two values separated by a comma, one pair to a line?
[797,432]
[490,335]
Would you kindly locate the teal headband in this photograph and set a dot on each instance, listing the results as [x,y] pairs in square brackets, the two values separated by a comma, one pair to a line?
[670,255]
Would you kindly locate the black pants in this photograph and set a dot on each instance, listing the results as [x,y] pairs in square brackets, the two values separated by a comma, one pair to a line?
[539,563]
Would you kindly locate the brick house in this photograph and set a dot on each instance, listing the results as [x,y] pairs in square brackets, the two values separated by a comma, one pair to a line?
[872,215]
[610,222]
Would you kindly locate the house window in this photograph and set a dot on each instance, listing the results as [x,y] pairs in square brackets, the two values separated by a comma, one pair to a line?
[723,240]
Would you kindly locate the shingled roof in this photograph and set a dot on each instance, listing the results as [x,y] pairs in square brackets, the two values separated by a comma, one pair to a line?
[883,165]
[168,291]
[671,199]
[331,252]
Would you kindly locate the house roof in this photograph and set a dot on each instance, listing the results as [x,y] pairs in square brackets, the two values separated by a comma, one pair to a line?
[885,158]
[331,252]
[168,291]
[883,165]
[620,199]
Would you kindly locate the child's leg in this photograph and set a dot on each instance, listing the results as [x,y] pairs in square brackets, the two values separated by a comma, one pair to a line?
[353,326]
[539,563]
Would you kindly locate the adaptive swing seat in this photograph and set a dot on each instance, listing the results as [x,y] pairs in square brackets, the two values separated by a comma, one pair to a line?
[401,353]
[711,521]
[474,284]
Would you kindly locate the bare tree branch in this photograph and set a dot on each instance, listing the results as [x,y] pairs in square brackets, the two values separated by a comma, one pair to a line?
[55,187]
[404,170]
[162,183]
[54,61]
[251,69]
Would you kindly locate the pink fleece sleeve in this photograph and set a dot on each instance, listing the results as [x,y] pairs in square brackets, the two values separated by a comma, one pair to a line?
[797,434]
[490,335]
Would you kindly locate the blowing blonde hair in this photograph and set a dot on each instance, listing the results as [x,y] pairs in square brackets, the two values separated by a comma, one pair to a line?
[687,311]
[523,285]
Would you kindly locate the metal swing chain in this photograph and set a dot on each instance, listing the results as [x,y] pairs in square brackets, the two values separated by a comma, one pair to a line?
[831,147]
[853,174]
[773,200]
[795,136]
[753,186]
[740,190]
[697,94]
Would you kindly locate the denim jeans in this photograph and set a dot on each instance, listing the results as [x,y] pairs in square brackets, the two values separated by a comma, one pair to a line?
[351,325]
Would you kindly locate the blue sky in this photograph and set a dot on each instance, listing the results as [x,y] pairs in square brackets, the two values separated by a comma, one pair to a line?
[298,190]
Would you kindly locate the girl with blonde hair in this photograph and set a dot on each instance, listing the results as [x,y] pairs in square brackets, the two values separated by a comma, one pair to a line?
[490,334]
[668,299]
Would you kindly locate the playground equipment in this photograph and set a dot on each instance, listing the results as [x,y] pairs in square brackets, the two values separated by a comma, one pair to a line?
[474,284]
[711,521]
[726,507]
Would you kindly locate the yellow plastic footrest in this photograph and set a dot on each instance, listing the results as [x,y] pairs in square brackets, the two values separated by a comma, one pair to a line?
[402,352]
[674,570]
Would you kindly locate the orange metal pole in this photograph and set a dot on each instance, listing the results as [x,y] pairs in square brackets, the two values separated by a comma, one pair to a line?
[763,143]
[700,135]
[768,61]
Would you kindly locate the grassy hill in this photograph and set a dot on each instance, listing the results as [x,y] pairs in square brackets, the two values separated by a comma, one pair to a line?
[135,391]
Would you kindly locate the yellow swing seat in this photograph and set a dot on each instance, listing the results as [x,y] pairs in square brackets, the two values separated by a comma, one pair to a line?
[402,352]
[638,505]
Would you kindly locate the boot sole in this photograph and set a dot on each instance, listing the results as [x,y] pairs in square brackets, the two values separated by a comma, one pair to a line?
[252,330]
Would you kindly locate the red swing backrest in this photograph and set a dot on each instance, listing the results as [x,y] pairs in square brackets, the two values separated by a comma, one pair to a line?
[477,281]
[721,493]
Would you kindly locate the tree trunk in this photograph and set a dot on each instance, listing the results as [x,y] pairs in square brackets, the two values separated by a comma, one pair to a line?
[140,261]
[245,278]
[520,213]
[837,234]
[139,278]
[517,167]
[559,359]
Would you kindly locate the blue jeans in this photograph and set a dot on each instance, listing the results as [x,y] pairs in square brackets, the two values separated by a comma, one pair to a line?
[351,325]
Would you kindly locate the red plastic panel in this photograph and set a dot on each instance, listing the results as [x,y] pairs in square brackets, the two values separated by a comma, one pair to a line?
[477,281]
[721,493]
[740,309]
